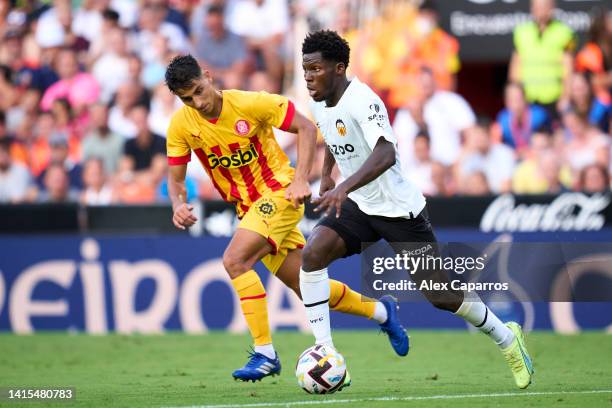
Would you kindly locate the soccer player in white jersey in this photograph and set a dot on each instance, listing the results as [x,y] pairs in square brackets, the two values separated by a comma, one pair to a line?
[375,201]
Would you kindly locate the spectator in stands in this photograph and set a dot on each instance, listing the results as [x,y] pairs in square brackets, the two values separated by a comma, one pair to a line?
[66,122]
[57,186]
[136,76]
[163,106]
[580,98]
[495,160]
[5,7]
[96,189]
[7,88]
[519,120]
[542,59]
[159,171]
[153,71]
[220,51]
[11,48]
[550,168]
[62,114]
[146,145]
[442,179]
[446,116]
[429,46]
[54,26]
[88,19]
[132,187]
[419,170]
[173,15]
[80,88]
[59,155]
[535,174]
[111,68]
[101,142]
[21,116]
[128,95]
[110,21]
[475,184]
[264,24]
[18,150]
[15,179]
[38,143]
[29,72]
[594,178]
[585,144]
[595,58]
[151,22]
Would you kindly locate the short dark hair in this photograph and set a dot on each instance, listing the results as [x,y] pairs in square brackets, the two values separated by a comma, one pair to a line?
[110,14]
[331,46]
[216,9]
[423,133]
[181,72]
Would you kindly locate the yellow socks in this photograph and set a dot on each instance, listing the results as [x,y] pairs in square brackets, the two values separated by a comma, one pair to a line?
[344,299]
[254,306]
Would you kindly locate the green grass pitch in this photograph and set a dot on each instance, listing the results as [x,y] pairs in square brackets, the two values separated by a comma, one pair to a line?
[176,370]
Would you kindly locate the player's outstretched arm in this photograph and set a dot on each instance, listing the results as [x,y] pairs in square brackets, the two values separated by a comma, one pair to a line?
[381,159]
[182,212]
[299,189]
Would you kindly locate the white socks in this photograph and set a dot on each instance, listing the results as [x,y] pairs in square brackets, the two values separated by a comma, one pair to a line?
[380,313]
[315,295]
[479,315]
[267,350]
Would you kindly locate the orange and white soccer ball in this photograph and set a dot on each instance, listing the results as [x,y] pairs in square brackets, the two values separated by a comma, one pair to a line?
[320,370]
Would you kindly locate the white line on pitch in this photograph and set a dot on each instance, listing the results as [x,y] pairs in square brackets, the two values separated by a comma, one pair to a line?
[410,398]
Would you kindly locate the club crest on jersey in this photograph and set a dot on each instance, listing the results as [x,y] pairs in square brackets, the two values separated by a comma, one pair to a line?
[341,127]
[242,127]
[265,208]
[241,157]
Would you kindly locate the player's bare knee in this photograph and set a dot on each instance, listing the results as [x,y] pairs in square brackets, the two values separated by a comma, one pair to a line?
[234,265]
[312,259]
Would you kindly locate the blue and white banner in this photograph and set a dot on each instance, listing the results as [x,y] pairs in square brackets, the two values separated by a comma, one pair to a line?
[152,284]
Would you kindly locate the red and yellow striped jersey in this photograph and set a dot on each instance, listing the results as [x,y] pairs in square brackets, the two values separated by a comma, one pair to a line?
[238,150]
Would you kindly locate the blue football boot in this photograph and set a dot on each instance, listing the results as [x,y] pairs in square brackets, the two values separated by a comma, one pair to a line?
[393,328]
[258,367]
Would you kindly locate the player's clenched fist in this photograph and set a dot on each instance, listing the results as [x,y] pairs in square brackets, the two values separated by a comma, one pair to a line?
[183,216]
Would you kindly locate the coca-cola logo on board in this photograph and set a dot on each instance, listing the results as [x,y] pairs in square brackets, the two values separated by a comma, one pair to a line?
[567,212]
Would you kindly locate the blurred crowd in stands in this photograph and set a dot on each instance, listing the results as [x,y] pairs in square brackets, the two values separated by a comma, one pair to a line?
[84,108]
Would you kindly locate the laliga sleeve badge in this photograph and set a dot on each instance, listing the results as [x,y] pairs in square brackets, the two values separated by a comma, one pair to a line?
[242,127]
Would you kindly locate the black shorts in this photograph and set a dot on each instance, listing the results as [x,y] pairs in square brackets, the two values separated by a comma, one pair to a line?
[357,228]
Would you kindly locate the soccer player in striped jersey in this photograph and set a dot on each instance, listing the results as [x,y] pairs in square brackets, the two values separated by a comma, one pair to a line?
[230,131]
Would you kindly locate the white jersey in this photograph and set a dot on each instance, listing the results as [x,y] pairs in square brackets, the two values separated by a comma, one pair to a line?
[351,130]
